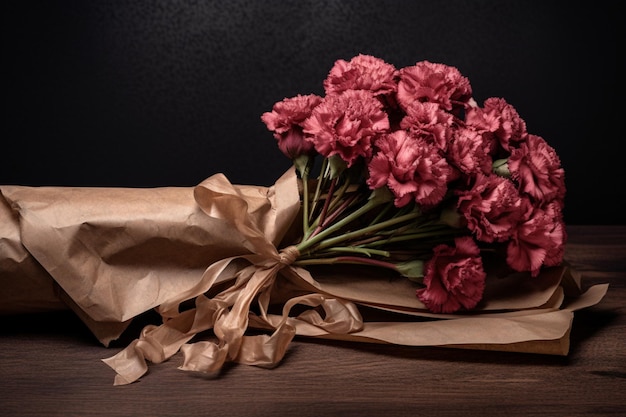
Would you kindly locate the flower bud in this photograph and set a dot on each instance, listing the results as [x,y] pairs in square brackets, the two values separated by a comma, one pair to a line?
[501,167]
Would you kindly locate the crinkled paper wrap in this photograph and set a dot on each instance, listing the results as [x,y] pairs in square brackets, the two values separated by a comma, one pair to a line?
[111,254]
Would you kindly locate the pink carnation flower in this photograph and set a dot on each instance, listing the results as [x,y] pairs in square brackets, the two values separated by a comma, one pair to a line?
[430,122]
[536,166]
[433,82]
[412,169]
[454,277]
[492,208]
[346,125]
[539,239]
[500,119]
[468,152]
[363,72]
[286,119]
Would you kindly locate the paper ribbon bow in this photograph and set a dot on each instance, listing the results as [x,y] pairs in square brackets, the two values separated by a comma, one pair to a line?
[254,276]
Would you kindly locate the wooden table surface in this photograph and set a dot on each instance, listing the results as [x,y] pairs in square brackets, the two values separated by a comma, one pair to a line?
[50,365]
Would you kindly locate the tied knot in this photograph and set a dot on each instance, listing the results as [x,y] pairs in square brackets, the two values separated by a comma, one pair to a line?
[289,255]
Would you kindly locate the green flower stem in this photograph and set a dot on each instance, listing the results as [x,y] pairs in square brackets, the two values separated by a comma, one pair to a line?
[336,206]
[357,233]
[337,198]
[414,228]
[318,188]
[366,240]
[383,212]
[336,213]
[443,234]
[368,230]
[355,260]
[305,201]
[359,250]
[314,240]
[331,192]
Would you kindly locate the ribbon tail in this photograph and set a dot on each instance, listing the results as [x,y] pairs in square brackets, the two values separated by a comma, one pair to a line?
[157,344]
[264,350]
[261,350]
[129,364]
[230,326]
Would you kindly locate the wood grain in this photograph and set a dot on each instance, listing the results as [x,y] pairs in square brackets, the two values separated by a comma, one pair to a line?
[50,365]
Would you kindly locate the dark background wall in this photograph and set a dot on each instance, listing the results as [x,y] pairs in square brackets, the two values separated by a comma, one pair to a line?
[159,93]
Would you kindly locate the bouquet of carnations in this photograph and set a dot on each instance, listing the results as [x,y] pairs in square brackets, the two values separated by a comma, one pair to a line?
[418,178]
[405,197]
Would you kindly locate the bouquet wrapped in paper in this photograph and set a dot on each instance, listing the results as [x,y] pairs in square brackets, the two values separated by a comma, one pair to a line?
[405,197]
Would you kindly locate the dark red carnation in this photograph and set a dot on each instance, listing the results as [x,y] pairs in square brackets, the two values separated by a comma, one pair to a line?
[538,240]
[536,167]
[454,277]
[499,119]
[492,208]
[469,153]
